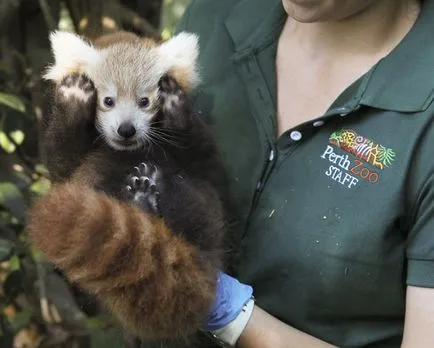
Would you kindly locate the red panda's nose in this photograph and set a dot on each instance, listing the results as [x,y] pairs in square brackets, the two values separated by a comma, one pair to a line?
[126,130]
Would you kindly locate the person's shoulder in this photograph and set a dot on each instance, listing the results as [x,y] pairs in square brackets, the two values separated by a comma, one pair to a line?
[200,13]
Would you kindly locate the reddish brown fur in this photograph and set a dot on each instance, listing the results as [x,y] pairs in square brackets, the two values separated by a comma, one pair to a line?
[137,263]
[123,36]
[181,75]
[159,283]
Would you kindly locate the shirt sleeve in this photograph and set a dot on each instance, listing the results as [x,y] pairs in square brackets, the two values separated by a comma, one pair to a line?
[420,239]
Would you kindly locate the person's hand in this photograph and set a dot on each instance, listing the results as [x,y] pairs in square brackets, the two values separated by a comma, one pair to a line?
[231,296]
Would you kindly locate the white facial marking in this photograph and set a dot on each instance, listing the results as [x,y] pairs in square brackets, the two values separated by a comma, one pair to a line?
[108,122]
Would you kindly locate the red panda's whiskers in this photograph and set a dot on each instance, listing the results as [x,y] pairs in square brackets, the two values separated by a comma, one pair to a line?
[153,141]
[167,135]
[163,137]
[98,138]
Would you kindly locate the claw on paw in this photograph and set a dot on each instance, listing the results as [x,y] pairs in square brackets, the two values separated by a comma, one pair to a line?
[142,187]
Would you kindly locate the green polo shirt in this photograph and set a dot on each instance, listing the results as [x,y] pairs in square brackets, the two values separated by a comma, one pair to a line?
[336,216]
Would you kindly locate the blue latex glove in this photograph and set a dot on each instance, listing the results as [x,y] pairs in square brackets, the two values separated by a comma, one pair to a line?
[231,296]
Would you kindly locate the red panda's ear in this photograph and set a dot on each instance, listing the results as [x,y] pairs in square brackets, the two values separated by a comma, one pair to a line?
[180,54]
[71,54]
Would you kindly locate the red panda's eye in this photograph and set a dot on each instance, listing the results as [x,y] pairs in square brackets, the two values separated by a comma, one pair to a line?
[109,102]
[143,102]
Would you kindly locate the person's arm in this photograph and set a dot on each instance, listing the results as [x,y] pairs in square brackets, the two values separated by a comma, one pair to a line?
[234,320]
[265,331]
[419,318]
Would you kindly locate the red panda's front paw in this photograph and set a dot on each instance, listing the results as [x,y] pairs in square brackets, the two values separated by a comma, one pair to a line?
[142,187]
[172,96]
[75,88]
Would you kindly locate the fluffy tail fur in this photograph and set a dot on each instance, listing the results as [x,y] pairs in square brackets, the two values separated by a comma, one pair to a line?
[157,284]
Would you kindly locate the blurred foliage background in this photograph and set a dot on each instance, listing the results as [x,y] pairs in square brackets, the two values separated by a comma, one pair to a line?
[38,308]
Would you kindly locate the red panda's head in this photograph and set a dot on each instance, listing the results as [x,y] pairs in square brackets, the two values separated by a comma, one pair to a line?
[126,71]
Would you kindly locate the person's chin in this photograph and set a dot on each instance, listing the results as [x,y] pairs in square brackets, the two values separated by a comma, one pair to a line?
[304,11]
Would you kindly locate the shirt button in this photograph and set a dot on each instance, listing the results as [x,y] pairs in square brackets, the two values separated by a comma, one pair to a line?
[318,123]
[343,111]
[271,157]
[295,135]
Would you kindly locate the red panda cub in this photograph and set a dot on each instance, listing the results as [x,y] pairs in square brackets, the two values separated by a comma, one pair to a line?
[135,215]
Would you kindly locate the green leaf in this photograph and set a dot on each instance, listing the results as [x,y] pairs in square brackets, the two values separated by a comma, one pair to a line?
[41,169]
[12,101]
[12,199]
[12,171]
[13,285]
[18,136]
[20,320]
[36,253]
[95,323]
[6,248]
[6,144]
[106,339]
[41,186]
[14,263]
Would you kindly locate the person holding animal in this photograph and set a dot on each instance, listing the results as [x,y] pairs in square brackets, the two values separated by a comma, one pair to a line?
[323,112]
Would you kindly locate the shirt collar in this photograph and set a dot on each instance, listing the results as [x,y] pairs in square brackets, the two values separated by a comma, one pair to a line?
[252,24]
[402,81]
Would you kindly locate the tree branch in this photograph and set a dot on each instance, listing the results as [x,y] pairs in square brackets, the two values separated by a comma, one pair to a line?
[46,12]
[136,21]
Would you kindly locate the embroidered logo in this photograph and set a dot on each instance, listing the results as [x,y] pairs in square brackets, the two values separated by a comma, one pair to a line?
[348,170]
[363,148]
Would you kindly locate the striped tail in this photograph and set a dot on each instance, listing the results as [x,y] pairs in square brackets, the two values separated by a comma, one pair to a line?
[156,284]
